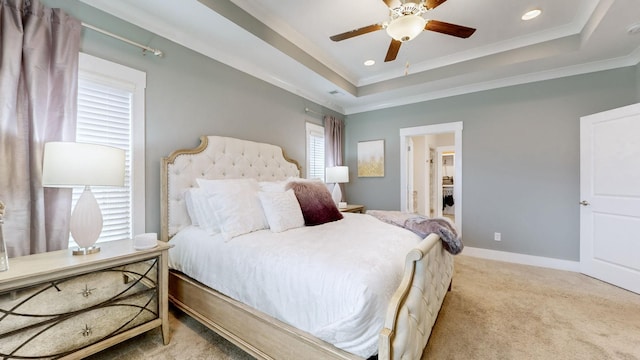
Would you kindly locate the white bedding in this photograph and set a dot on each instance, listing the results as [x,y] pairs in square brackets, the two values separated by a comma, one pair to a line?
[332,280]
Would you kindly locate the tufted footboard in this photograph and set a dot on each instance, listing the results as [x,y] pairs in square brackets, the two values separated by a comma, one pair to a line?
[414,307]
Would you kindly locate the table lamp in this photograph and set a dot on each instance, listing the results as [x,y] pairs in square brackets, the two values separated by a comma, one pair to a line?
[337,175]
[69,164]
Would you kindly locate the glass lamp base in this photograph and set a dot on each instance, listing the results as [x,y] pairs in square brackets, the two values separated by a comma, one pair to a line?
[336,195]
[86,223]
[86,251]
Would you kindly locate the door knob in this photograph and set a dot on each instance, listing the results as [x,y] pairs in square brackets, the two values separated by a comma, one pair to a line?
[584,203]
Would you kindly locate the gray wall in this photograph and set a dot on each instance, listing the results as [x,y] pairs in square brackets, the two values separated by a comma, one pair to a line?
[189,95]
[520,157]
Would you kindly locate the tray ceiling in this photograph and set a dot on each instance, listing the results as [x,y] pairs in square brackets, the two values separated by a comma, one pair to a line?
[287,44]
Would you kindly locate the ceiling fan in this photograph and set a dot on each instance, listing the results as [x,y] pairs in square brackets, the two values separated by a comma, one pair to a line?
[406,22]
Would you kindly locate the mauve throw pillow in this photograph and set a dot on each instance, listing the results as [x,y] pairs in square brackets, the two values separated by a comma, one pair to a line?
[315,202]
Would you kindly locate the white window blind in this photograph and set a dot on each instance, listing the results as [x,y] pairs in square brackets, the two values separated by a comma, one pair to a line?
[315,152]
[105,118]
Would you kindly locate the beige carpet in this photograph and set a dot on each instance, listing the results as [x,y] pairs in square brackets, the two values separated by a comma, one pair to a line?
[499,310]
[496,310]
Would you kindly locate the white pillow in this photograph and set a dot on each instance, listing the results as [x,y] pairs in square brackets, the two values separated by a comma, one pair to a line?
[188,201]
[200,211]
[282,210]
[237,213]
[271,186]
[236,205]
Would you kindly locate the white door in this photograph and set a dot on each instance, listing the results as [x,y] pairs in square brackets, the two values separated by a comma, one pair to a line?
[610,196]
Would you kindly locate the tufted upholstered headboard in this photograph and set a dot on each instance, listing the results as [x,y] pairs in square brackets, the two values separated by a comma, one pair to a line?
[216,157]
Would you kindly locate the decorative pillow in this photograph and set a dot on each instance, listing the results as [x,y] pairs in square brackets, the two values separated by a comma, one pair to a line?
[315,202]
[281,209]
[236,205]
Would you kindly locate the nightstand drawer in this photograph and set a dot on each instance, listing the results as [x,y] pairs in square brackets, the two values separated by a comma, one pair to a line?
[81,329]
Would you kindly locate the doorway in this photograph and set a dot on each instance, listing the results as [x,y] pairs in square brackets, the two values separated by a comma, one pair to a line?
[431,169]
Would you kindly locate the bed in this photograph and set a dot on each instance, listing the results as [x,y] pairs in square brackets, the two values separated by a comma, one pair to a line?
[407,315]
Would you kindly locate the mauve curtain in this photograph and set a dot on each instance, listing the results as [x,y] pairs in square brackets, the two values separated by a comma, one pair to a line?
[333,143]
[38,94]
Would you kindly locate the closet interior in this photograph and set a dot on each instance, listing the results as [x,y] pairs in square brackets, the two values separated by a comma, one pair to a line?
[447,171]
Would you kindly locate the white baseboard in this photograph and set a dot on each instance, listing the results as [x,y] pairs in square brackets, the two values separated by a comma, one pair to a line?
[524,259]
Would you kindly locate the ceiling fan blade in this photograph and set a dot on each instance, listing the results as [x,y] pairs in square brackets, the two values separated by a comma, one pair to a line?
[356,32]
[392,4]
[394,47]
[449,29]
[432,4]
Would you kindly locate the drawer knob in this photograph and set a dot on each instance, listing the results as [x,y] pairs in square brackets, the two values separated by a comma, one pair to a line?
[86,331]
[86,292]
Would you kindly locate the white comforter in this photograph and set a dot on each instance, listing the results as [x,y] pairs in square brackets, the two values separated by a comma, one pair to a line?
[333,280]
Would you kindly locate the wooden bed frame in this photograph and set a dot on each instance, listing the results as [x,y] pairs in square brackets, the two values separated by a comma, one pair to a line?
[411,313]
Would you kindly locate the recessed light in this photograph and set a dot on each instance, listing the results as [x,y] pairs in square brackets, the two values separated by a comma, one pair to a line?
[531,14]
[369,63]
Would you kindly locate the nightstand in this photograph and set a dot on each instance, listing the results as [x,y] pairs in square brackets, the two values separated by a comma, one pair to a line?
[353,209]
[59,305]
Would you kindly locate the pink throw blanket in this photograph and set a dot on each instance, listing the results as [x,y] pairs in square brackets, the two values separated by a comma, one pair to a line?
[423,226]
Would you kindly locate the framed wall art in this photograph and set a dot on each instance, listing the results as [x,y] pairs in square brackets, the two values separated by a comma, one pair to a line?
[371,158]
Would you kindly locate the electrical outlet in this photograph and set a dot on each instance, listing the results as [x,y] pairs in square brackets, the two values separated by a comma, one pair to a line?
[497,236]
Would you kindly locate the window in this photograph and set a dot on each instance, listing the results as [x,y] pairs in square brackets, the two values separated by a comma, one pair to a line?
[315,151]
[111,112]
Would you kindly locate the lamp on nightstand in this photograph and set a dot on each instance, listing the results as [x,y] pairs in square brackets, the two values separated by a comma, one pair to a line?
[337,175]
[68,164]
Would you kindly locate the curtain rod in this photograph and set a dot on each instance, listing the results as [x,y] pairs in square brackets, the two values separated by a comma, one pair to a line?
[144,48]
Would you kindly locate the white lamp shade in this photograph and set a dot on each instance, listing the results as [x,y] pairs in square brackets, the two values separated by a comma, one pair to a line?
[337,174]
[406,27]
[68,164]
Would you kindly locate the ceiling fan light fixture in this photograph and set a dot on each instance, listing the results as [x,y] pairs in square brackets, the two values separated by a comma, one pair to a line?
[406,27]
